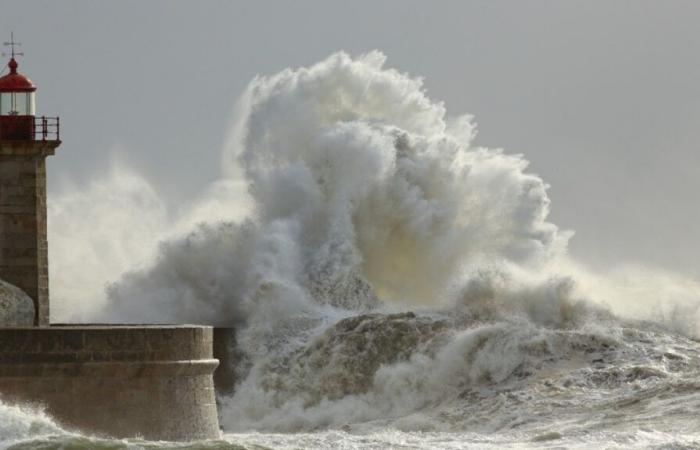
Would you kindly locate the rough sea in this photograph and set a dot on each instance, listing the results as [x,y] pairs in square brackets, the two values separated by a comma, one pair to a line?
[395,286]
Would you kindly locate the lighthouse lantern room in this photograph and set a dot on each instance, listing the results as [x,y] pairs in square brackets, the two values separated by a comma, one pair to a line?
[18,105]
[16,93]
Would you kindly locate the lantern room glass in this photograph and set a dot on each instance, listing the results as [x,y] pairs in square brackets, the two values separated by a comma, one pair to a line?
[17,103]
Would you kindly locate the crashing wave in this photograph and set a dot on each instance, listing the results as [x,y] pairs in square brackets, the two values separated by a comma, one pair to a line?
[392,272]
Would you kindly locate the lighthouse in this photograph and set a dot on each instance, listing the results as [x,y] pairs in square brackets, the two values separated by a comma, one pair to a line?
[25,142]
[124,381]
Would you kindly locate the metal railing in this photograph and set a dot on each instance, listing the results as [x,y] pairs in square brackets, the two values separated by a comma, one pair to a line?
[15,128]
[47,128]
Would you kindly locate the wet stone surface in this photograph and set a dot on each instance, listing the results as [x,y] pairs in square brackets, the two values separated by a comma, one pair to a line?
[16,307]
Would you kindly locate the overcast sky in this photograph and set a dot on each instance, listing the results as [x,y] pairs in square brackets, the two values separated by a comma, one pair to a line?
[602,97]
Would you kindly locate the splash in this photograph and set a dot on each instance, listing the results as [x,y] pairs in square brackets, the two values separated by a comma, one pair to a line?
[97,233]
[388,270]
[362,188]
[19,423]
[111,227]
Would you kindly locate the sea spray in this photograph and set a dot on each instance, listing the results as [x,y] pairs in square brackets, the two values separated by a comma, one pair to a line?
[23,423]
[390,273]
[360,189]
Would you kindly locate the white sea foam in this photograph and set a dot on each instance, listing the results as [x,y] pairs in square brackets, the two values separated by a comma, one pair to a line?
[18,424]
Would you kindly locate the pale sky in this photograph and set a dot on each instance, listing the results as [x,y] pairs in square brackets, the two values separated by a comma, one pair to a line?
[602,97]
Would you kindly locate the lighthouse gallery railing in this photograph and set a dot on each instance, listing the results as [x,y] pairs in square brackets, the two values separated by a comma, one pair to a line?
[32,128]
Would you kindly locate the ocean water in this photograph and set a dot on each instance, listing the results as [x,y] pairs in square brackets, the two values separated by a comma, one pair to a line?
[629,387]
[481,386]
[395,285]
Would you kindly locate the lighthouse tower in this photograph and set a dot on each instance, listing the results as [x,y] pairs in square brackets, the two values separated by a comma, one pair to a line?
[25,142]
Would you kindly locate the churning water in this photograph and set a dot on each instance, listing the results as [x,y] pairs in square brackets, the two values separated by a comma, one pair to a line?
[395,286]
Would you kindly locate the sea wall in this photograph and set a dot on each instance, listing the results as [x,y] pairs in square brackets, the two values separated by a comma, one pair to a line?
[153,382]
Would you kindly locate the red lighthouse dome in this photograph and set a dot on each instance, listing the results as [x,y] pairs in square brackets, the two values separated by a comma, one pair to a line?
[17,93]
[14,81]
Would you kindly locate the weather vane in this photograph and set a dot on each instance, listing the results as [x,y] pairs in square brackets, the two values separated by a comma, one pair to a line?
[12,44]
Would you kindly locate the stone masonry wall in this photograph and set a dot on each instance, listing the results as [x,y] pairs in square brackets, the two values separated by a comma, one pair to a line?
[23,242]
[153,382]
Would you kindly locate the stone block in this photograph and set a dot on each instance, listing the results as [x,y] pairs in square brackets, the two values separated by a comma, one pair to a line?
[23,219]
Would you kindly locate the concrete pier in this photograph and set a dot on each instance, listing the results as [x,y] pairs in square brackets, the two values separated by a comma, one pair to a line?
[152,382]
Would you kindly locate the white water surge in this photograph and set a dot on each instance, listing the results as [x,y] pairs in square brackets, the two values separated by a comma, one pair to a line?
[394,285]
